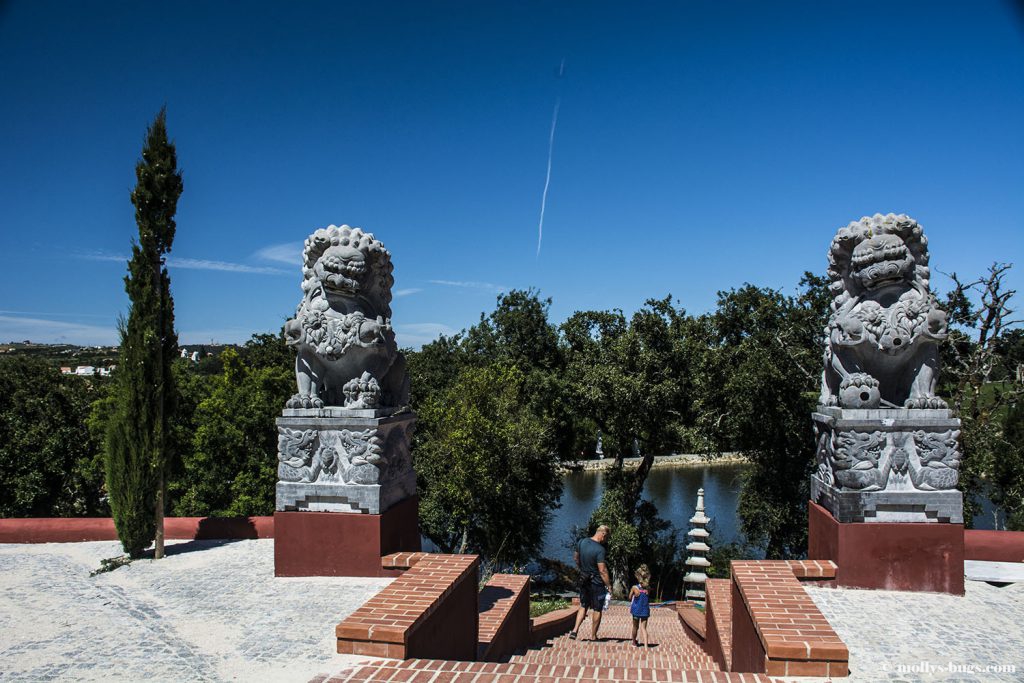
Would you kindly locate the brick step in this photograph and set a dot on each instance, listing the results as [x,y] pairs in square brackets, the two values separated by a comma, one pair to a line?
[666,645]
[652,660]
[634,653]
[486,672]
[647,665]
[556,668]
[567,643]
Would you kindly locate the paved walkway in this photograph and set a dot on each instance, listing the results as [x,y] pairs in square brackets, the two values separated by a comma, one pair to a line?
[210,611]
[896,636]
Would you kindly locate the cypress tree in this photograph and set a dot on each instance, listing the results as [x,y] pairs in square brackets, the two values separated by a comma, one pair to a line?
[138,445]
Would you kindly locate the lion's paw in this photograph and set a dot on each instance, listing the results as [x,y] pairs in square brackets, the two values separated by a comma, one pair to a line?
[924,402]
[858,379]
[304,401]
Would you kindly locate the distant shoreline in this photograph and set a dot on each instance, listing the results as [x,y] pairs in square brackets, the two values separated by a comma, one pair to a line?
[675,460]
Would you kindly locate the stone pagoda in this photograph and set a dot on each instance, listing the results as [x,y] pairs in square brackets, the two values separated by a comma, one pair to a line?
[346,491]
[697,550]
[885,506]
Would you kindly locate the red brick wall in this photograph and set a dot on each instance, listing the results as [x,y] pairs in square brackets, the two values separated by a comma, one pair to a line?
[748,653]
[552,624]
[504,616]
[693,619]
[451,630]
[429,612]
[718,622]
[792,636]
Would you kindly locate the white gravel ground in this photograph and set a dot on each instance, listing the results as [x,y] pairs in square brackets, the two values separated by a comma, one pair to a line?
[209,611]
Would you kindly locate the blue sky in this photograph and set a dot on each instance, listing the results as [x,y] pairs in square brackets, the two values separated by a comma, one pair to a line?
[699,145]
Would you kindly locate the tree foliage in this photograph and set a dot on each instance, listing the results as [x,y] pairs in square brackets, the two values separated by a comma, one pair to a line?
[138,440]
[229,466]
[633,379]
[757,390]
[984,377]
[49,461]
[487,476]
[502,403]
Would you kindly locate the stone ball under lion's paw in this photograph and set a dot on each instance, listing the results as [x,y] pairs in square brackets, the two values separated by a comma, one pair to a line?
[860,396]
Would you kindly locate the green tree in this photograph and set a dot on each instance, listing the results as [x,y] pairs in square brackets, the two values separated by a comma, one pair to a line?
[638,534]
[268,351]
[487,478]
[758,383]
[434,367]
[229,468]
[138,440]
[982,376]
[50,465]
[633,379]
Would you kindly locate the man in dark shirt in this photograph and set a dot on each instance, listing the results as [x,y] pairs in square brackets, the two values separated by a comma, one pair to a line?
[595,583]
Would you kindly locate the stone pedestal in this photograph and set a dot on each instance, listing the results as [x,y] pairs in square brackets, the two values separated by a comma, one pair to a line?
[346,461]
[888,465]
[884,505]
[346,491]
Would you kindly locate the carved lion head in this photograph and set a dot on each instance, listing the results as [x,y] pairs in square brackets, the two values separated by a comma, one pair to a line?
[877,252]
[348,262]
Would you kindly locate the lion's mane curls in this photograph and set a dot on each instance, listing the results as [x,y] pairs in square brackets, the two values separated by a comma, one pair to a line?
[847,238]
[378,259]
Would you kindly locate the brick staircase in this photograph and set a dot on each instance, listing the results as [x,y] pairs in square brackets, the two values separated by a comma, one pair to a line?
[673,656]
[436,625]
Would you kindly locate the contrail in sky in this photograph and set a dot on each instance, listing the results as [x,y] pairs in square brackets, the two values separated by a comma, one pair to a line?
[547,178]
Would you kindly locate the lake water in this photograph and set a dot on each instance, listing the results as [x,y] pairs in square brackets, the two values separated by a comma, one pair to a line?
[672,489]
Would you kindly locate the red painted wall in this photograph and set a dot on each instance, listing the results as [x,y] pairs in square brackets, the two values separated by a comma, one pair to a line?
[79,529]
[344,544]
[994,546]
[889,555]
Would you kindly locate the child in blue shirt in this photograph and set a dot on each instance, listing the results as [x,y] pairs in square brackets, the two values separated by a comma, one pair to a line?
[640,604]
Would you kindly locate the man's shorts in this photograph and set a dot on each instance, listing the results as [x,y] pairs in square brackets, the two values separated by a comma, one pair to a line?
[592,595]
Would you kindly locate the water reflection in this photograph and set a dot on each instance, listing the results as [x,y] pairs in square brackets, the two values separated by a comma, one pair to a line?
[672,489]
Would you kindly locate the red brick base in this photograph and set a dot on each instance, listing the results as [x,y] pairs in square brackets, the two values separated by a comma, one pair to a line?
[343,544]
[901,556]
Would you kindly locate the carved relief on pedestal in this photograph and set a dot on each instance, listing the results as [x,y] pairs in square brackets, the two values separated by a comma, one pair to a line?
[330,456]
[871,460]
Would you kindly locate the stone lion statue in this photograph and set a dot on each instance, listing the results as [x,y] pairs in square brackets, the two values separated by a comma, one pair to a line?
[882,336]
[347,354]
